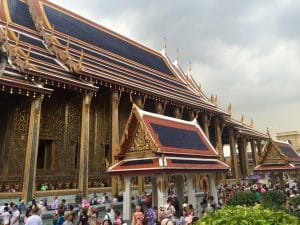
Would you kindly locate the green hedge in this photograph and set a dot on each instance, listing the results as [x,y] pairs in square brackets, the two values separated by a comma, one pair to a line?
[243,215]
[273,199]
[243,198]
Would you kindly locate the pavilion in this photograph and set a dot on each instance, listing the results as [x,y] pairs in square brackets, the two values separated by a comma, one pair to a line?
[159,146]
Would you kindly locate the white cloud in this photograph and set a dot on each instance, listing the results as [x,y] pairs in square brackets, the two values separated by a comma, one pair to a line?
[247,52]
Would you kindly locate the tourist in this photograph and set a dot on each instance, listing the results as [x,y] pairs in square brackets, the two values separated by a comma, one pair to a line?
[138,216]
[68,218]
[118,218]
[22,207]
[149,215]
[93,216]
[83,217]
[34,219]
[106,222]
[110,215]
[15,214]
[78,198]
[5,215]
[55,202]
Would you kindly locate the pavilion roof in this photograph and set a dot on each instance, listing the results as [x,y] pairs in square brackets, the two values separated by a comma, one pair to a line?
[278,155]
[153,142]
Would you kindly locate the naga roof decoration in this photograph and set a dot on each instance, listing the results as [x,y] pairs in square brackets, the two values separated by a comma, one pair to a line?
[278,155]
[157,143]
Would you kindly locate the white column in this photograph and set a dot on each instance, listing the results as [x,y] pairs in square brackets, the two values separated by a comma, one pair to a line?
[212,186]
[127,199]
[161,196]
[191,190]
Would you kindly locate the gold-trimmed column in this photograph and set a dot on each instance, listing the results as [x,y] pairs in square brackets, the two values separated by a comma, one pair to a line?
[159,108]
[115,139]
[191,115]
[254,152]
[206,122]
[177,112]
[259,148]
[32,148]
[234,163]
[84,144]
[218,136]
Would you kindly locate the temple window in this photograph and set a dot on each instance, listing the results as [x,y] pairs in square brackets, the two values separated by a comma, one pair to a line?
[44,159]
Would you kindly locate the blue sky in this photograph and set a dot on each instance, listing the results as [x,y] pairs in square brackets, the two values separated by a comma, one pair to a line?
[246,52]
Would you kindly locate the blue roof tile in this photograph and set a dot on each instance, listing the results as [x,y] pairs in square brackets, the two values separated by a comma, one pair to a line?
[19,13]
[178,138]
[85,32]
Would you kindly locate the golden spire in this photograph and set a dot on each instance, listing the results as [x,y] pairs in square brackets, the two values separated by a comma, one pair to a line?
[178,54]
[268,133]
[199,88]
[251,123]
[242,119]
[190,67]
[18,40]
[216,100]
[165,43]
[229,109]
[212,99]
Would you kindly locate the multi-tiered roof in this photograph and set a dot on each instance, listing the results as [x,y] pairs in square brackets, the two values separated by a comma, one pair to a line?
[47,46]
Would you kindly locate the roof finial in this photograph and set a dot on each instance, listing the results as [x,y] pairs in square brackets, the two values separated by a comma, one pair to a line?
[251,123]
[229,109]
[268,133]
[216,100]
[165,43]
[242,119]
[190,68]
[18,39]
[80,63]
[199,88]
[178,55]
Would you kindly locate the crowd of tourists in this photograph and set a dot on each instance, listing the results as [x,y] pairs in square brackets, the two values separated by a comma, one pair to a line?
[88,211]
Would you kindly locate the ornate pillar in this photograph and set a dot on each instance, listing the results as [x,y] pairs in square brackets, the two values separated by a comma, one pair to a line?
[32,148]
[218,135]
[176,112]
[191,115]
[243,156]
[127,199]
[115,139]
[234,163]
[254,152]
[159,108]
[206,122]
[84,144]
[259,148]
[161,190]
[191,190]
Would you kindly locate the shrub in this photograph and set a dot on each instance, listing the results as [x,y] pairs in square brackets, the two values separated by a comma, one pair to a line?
[296,204]
[273,199]
[243,198]
[243,215]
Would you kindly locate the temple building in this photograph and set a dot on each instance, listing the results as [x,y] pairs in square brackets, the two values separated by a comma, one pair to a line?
[293,137]
[67,87]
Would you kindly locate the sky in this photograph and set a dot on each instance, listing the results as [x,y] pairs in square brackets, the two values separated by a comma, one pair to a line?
[245,52]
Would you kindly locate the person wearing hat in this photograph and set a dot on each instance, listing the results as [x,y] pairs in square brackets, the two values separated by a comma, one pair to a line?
[68,218]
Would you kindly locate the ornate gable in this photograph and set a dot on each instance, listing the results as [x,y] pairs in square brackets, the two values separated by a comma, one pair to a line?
[273,155]
[142,140]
